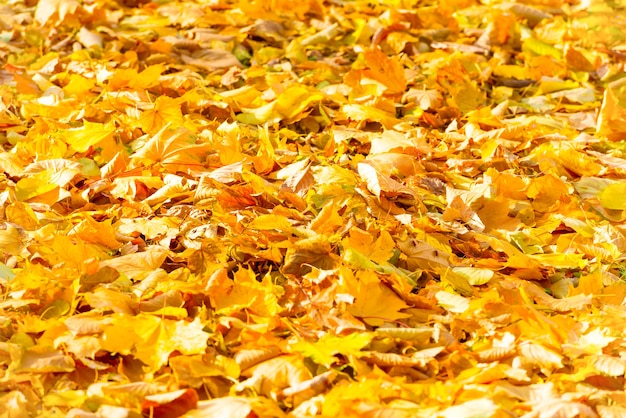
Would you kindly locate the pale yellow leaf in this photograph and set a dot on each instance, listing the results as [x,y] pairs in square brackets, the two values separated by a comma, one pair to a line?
[541,355]
[613,196]
[452,302]
[62,8]
[138,265]
[475,276]
[471,409]
[610,366]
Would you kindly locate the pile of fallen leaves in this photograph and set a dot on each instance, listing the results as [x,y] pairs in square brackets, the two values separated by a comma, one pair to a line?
[279,208]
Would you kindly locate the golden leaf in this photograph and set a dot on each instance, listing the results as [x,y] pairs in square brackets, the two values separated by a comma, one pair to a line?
[248,293]
[165,111]
[612,113]
[384,70]
[138,266]
[12,240]
[248,358]
[101,233]
[170,404]
[36,185]
[613,196]
[270,222]
[304,253]
[89,135]
[174,150]
[374,302]
[323,351]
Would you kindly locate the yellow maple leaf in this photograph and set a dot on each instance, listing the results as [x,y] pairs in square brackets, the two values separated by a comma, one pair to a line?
[152,339]
[374,302]
[327,221]
[165,111]
[385,70]
[314,251]
[323,350]
[35,185]
[138,266]
[176,150]
[379,250]
[364,113]
[78,85]
[20,213]
[294,100]
[89,135]
[101,233]
[131,79]
[12,241]
[248,293]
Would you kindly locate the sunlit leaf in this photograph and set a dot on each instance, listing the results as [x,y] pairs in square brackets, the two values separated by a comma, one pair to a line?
[613,196]
[542,356]
[91,134]
[166,111]
[133,79]
[611,118]
[97,232]
[474,276]
[60,8]
[363,113]
[139,265]
[270,222]
[384,70]
[294,100]
[374,302]
[278,372]
[472,409]
[323,351]
[610,366]
[314,208]
[35,185]
[153,339]
[452,302]
[11,240]
[172,149]
[45,360]
[247,293]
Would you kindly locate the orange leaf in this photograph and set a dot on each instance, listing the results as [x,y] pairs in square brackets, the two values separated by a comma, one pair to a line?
[170,405]
[101,233]
[165,111]
[385,70]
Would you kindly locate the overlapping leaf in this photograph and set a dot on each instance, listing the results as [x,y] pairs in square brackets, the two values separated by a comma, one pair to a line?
[312,208]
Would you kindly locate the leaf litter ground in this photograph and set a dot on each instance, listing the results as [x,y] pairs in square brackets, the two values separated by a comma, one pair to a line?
[336,208]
